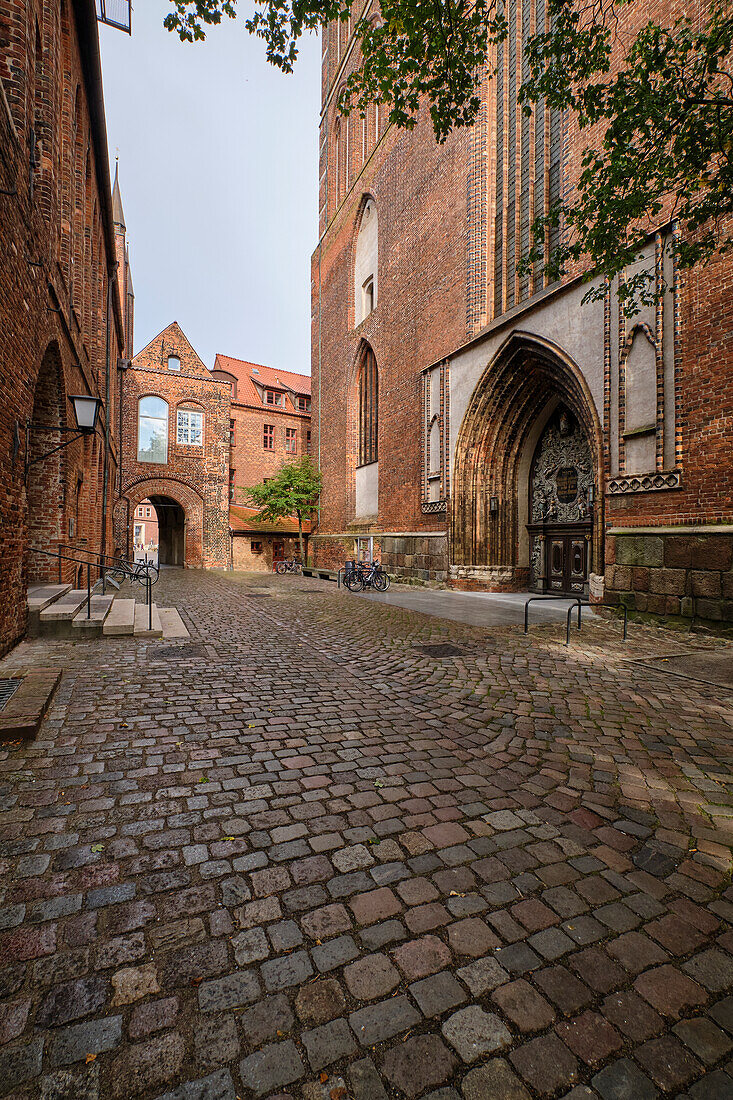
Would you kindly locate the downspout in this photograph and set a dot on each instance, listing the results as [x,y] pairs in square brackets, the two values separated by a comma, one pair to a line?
[320,247]
[111,274]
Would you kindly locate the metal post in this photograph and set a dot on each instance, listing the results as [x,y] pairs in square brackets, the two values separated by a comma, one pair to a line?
[89,595]
[567,630]
[526,617]
[150,601]
[579,609]
[60,581]
[626,620]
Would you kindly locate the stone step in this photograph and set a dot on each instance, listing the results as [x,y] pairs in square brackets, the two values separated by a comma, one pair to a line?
[172,623]
[65,607]
[99,610]
[121,619]
[141,622]
[41,595]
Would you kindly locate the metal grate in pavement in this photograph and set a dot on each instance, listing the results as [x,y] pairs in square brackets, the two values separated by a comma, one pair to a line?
[7,689]
[443,650]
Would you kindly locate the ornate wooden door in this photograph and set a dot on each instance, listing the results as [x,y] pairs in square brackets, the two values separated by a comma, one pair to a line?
[567,565]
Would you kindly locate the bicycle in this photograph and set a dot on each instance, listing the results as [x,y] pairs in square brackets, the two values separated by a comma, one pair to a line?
[367,575]
[288,565]
[136,570]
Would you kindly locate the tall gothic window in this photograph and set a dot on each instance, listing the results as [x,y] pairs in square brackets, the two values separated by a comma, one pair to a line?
[366,280]
[152,430]
[368,397]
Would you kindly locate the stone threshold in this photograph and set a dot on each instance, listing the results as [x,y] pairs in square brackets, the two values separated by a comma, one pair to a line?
[23,713]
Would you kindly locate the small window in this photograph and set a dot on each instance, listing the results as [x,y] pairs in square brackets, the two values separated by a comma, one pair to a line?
[232,432]
[174,363]
[308,442]
[152,430]
[291,441]
[256,547]
[274,398]
[304,404]
[367,297]
[190,429]
[147,512]
[268,441]
[232,485]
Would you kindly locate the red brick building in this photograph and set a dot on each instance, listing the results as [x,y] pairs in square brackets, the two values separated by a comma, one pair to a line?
[62,322]
[174,426]
[269,425]
[145,526]
[489,430]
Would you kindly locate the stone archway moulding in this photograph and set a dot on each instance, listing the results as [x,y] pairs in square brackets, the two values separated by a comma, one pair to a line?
[526,376]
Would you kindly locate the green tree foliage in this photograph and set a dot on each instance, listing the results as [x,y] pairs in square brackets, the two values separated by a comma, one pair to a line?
[293,491]
[659,102]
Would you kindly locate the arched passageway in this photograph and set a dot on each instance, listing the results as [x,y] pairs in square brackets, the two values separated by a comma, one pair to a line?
[171,530]
[526,508]
[45,483]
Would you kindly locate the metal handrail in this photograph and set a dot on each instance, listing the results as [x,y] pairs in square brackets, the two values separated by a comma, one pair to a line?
[121,566]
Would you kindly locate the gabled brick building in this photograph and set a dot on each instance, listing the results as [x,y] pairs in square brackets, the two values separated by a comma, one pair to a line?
[175,452]
[269,424]
[488,429]
[62,321]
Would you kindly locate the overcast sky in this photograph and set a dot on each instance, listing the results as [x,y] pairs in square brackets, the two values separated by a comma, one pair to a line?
[219,179]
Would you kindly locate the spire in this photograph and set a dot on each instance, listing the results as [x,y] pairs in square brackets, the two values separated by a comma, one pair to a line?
[118,216]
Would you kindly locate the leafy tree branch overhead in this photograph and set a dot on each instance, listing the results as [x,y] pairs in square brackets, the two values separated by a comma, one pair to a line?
[293,491]
[660,102]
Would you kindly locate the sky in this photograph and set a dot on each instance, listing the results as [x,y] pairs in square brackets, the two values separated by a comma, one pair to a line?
[218,169]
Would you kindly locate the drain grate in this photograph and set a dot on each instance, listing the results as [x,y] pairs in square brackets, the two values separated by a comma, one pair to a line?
[7,689]
[443,650]
[177,653]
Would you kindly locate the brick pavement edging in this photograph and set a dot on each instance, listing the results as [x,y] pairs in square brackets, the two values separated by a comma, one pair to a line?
[23,713]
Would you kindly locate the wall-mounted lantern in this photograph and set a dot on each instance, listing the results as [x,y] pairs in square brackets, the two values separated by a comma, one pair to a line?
[86,414]
[493,506]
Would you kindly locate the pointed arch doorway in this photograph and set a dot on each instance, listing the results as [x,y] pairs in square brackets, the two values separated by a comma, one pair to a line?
[525,509]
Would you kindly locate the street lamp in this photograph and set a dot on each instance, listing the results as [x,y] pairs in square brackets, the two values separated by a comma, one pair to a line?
[86,414]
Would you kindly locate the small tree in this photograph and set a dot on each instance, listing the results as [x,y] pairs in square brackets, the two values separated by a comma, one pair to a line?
[293,491]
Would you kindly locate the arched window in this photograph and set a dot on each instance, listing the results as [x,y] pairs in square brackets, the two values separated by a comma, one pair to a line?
[365,263]
[368,398]
[152,430]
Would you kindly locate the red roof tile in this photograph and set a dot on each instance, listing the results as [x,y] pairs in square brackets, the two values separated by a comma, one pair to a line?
[246,373]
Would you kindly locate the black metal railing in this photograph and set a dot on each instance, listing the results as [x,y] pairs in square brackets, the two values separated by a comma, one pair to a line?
[574,600]
[104,564]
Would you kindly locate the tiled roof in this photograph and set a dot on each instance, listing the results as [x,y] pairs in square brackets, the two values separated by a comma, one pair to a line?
[242,518]
[246,374]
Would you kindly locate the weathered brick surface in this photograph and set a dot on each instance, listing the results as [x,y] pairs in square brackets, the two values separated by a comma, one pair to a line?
[526,785]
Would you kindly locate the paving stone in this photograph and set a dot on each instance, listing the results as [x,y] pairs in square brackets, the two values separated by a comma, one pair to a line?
[474,1033]
[147,1065]
[374,905]
[524,1006]
[713,1086]
[382,934]
[590,1036]
[438,994]
[713,969]
[722,1013]
[622,1080]
[472,937]
[285,972]
[76,1084]
[284,936]
[20,1063]
[269,1019]
[704,1039]
[546,1065]
[153,1016]
[483,975]
[319,1001]
[249,946]
[231,991]
[365,1081]
[636,952]
[632,1016]
[328,1043]
[71,1001]
[327,921]
[74,1043]
[273,1067]
[13,1017]
[421,957]
[371,977]
[134,983]
[494,1081]
[418,1064]
[189,963]
[216,1086]
[383,1021]
[668,1063]
[518,958]
[352,859]
[215,1040]
[670,991]
[335,953]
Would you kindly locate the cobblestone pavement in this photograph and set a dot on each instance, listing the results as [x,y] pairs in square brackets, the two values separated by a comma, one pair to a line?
[295,856]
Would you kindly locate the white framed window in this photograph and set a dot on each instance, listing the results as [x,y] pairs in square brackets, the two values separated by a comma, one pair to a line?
[174,363]
[152,430]
[190,427]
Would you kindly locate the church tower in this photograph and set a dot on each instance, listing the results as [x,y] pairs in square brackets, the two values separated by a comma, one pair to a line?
[124,275]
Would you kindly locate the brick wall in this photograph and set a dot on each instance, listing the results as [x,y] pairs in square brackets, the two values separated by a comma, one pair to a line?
[249,459]
[194,477]
[57,248]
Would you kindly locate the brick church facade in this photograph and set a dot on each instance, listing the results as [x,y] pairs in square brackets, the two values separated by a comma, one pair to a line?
[62,313]
[489,430]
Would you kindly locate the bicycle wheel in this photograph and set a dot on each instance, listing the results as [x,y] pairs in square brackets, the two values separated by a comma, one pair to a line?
[148,569]
[281,567]
[354,582]
[381,580]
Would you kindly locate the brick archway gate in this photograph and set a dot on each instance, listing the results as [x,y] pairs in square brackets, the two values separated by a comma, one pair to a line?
[180,512]
[527,383]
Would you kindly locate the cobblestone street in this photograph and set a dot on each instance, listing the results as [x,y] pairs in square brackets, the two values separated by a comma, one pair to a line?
[296,856]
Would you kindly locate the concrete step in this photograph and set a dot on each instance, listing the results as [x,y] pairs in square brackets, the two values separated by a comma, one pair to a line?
[172,623]
[56,620]
[121,619]
[99,610]
[141,622]
[41,595]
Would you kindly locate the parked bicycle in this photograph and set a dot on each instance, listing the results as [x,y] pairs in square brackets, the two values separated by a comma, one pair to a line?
[367,574]
[136,570]
[288,565]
